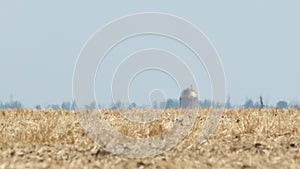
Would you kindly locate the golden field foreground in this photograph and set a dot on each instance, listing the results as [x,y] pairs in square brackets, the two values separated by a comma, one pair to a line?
[245,139]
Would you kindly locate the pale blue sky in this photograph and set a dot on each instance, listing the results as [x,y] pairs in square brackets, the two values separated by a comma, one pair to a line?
[258,42]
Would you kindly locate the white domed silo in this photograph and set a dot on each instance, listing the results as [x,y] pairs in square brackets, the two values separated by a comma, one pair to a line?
[189,98]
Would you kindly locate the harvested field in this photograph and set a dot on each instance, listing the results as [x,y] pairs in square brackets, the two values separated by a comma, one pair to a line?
[245,139]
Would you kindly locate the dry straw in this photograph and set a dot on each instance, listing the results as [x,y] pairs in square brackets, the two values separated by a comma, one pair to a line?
[245,138]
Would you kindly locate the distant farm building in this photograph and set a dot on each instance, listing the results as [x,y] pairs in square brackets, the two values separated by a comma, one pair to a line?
[189,98]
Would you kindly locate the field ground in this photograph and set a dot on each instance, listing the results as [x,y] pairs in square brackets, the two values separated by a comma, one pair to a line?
[245,139]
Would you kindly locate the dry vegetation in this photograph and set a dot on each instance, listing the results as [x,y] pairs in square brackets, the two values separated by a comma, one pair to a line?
[245,138]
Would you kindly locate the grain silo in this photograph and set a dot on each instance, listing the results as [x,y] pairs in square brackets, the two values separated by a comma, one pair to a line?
[189,98]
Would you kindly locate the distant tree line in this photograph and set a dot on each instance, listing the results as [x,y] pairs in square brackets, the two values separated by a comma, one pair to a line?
[11,105]
[65,105]
[169,104]
[249,103]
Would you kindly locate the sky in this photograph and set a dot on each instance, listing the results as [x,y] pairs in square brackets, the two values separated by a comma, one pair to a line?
[258,43]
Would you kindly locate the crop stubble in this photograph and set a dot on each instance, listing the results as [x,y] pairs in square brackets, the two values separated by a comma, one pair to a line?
[245,138]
